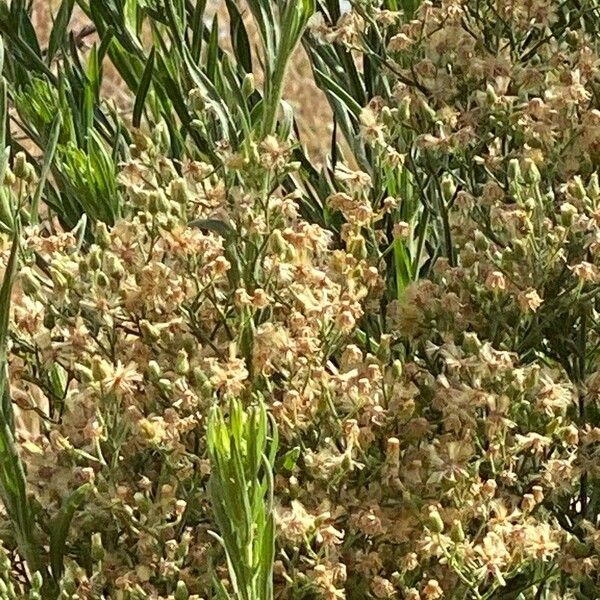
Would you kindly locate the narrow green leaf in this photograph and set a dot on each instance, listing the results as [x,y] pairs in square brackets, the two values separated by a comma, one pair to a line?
[143,88]
[239,37]
[61,526]
[58,34]
[212,50]
[48,158]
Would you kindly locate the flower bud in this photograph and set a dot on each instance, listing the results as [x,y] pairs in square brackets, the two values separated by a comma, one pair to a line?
[577,188]
[448,187]
[457,533]
[197,100]
[102,236]
[397,369]
[20,165]
[434,520]
[248,85]
[531,172]
[404,109]
[182,364]
[514,170]
[181,591]
[37,581]
[97,549]
[165,386]
[490,95]
[154,370]
[95,259]
[358,247]
[568,212]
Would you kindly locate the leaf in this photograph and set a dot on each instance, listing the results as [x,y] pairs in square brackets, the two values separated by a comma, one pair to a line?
[48,158]
[212,50]
[61,526]
[143,88]
[198,29]
[239,37]
[58,34]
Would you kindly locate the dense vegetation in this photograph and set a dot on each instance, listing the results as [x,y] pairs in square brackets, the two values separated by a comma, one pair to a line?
[228,371]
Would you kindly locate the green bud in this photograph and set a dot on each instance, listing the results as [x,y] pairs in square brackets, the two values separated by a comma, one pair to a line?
[358,247]
[161,137]
[181,591]
[37,581]
[59,280]
[434,521]
[30,175]
[85,375]
[471,342]
[514,170]
[490,95]
[448,187]
[114,268]
[384,351]
[568,212]
[142,502]
[457,533]
[197,100]
[248,85]
[97,549]
[290,253]
[154,370]
[387,117]
[481,241]
[102,236]
[429,112]
[182,365]
[397,369]
[577,188]
[531,172]
[404,109]
[20,165]
[95,259]
[165,386]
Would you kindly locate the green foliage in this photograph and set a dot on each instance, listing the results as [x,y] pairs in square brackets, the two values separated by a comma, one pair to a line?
[242,453]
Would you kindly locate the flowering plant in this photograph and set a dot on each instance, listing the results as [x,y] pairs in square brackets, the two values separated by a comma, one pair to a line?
[227,372]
